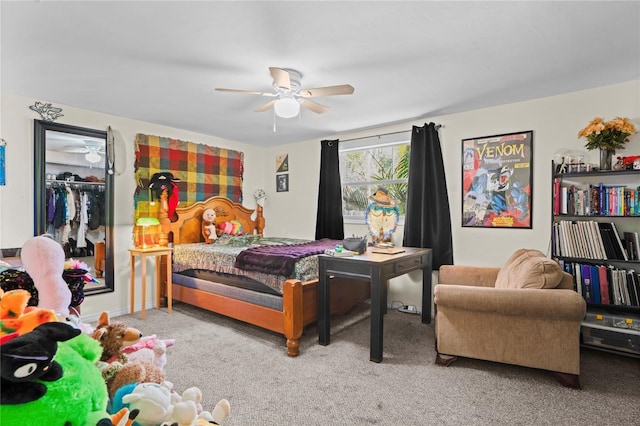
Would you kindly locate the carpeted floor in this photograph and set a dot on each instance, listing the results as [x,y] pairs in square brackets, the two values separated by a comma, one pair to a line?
[338,385]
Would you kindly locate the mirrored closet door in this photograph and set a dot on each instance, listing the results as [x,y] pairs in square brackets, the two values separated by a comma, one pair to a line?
[74,196]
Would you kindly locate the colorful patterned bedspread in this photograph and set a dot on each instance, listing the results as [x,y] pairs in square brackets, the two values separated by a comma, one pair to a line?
[221,256]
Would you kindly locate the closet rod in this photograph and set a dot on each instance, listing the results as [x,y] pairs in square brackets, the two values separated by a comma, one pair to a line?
[382,134]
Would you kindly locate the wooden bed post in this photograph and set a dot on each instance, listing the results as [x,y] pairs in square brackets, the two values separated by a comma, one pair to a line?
[259,220]
[292,299]
[165,220]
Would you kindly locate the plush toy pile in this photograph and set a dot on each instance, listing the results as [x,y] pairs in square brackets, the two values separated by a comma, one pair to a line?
[56,370]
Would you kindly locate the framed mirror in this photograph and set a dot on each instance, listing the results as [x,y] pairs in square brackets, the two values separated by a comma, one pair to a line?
[73,190]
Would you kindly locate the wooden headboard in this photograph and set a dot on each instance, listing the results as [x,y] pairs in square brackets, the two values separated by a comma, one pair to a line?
[188,227]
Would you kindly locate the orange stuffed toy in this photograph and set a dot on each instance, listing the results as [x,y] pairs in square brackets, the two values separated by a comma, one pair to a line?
[17,317]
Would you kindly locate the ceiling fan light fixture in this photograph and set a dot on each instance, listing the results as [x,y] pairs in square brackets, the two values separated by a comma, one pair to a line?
[92,157]
[287,107]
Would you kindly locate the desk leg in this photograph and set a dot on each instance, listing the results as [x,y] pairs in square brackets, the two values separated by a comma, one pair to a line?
[323,304]
[158,262]
[426,291]
[133,282]
[143,259]
[378,294]
[169,284]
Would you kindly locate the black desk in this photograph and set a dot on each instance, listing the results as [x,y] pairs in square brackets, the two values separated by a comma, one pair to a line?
[378,269]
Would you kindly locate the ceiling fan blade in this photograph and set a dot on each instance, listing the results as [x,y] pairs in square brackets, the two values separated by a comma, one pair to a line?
[247,92]
[342,89]
[266,106]
[280,77]
[75,149]
[314,106]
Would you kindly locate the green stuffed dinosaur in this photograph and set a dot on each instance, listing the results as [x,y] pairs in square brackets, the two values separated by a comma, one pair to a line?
[77,398]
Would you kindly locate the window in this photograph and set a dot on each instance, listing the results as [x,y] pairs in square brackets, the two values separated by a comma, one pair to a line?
[370,163]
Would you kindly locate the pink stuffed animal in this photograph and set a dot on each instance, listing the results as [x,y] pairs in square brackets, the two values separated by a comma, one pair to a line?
[151,349]
[43,259]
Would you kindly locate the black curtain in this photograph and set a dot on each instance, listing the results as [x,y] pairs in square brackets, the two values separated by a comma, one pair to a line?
[329,221]
[427,221]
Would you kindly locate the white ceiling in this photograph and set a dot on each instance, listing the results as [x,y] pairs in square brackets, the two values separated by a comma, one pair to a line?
[160,61]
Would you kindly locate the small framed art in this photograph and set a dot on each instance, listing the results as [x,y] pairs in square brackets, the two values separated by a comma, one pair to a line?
[282,163]
[497,181]
[282,182]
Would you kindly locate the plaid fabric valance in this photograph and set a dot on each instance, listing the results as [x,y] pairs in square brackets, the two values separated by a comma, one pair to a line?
[203,170]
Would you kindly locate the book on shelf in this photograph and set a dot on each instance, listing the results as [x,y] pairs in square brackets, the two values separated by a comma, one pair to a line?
[595,284]
[620,246]
[556,196]
[632,244]
[634,287]
[604,285]
[586,283]
[612,243]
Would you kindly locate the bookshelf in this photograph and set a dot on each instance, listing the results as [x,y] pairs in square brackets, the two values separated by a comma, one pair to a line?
[594,237]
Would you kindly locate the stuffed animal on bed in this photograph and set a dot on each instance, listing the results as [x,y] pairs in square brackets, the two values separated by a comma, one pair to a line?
[209,231]
[232,227]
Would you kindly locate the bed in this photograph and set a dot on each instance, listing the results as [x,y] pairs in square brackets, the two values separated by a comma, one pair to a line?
[285,306]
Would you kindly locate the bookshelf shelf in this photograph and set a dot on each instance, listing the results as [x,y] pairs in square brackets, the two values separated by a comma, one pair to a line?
[594,235]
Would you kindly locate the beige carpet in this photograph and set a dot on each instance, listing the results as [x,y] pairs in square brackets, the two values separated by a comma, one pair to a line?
[338,385]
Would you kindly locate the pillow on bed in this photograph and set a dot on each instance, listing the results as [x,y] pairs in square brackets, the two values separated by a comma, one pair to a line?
[241,240]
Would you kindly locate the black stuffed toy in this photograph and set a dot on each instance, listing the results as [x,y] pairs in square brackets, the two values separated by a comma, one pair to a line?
[29,357]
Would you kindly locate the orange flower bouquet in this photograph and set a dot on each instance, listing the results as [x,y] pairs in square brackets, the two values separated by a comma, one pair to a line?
[607,135]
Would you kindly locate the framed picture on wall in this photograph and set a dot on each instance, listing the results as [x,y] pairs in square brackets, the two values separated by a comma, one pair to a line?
[282,182]
[497,180]
[282,163]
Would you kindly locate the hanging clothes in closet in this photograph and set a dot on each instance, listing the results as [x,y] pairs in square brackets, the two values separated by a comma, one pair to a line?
[73,209]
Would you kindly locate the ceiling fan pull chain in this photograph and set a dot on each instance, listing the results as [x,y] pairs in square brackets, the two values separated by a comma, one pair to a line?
[274,121]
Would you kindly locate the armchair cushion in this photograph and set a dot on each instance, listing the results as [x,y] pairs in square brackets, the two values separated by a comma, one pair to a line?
[528,268]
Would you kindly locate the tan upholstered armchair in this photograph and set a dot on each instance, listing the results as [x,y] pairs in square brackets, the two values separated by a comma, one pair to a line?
[525,313]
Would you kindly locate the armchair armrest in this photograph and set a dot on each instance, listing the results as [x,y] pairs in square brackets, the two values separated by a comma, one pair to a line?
[545,303]
[483,276]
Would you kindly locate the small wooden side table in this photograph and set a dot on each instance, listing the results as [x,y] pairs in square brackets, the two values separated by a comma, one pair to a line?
[157,253]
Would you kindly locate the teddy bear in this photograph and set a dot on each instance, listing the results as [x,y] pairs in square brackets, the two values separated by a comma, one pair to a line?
[209,231]
[43,259]
[17,317]
[76,396]
[113,336]
[135,371]
[149,348]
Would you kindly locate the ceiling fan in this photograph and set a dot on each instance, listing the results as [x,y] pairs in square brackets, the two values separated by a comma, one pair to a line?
[290,95]
[93,150]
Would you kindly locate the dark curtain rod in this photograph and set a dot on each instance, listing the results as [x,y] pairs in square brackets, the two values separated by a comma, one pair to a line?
[382,134]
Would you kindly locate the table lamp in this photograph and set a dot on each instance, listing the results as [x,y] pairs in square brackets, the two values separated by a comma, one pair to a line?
[144,223]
